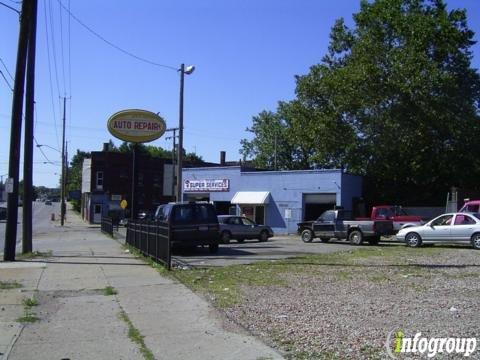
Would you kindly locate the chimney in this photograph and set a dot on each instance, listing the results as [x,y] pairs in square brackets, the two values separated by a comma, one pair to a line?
[222,158]
[106,147]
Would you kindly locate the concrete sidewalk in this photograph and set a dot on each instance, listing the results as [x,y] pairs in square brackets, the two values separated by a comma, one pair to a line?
[78,321]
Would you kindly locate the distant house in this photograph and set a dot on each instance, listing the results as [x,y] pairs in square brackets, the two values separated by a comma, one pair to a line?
[106,181]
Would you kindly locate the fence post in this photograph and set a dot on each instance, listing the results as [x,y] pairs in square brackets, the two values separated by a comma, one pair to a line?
[157,225]
[169,255]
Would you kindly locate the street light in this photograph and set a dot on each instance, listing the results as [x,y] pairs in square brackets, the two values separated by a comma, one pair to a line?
[188,70]
[63,182]
[48,146]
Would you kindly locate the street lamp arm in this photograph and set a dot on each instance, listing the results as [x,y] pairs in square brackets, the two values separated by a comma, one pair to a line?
[48,146]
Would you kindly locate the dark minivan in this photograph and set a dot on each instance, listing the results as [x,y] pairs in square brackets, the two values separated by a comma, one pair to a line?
[191,224]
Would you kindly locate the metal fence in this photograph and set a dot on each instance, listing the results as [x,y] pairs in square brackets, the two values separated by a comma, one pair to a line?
[107,225]
[151,238]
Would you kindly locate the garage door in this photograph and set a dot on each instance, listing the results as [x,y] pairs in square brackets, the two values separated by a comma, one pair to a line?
[315,204]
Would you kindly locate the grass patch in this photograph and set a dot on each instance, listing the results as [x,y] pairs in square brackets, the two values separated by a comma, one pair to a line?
[135,336]
[6,285]
[223,283]
[109,290]
[36,254]
[157,266]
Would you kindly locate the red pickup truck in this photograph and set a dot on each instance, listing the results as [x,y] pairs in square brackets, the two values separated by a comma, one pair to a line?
[396,214]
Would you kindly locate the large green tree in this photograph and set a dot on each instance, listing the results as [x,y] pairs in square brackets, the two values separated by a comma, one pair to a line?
[395,99]
[74,177]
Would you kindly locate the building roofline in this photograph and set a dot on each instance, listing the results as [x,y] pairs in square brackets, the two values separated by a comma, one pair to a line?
[265,172]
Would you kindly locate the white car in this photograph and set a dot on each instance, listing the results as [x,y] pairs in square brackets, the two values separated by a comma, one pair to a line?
[446,228]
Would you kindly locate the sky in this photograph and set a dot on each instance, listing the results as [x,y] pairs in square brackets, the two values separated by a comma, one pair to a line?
[246,55]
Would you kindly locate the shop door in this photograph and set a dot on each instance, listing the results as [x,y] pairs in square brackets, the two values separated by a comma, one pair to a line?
[315,204]
[97,213]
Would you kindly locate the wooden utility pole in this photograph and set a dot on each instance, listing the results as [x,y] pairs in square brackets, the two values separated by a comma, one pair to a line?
[16,133]
[27,246]
[62,203]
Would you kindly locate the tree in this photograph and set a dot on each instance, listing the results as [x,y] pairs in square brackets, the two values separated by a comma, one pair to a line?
[157,152]
[74,178]
[394,99]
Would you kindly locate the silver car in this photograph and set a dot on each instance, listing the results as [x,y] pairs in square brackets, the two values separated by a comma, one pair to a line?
[241,228]
[446,228]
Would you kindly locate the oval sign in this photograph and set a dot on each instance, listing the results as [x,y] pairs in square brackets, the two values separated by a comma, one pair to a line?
[135,125]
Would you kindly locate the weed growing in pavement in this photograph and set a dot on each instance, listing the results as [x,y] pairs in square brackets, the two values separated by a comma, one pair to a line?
[157,266]
[136,337]
[109,290]
[6,285]
[29,316]
[30,302]
[36,254]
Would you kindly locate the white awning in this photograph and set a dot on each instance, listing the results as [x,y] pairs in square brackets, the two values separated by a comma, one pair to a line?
[251,197]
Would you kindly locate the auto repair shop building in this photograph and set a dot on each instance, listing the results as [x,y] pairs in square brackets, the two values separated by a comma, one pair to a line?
[279,199]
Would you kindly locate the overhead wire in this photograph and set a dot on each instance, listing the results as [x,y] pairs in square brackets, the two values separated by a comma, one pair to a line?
[6,80]
[62,52]
[50,72]
[6,69]
[126,52]
[69,73]
[54,49]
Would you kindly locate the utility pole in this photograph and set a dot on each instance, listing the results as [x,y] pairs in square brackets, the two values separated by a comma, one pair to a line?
[183,71]
[180,137]
[174,137]
[27,245]
[134,180]
[62,203]
[16,132]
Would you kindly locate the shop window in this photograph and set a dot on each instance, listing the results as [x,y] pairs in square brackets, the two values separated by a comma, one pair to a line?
[99,180]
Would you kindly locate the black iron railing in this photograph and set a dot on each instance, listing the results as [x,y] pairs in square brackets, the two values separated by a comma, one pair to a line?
[107,225]
[151,238]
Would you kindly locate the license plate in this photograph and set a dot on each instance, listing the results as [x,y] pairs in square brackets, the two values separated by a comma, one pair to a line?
[203,228]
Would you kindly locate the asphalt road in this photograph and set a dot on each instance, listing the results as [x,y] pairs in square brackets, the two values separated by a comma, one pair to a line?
[41,222]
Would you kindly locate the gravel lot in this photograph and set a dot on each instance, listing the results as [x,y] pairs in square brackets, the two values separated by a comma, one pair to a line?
[343,306]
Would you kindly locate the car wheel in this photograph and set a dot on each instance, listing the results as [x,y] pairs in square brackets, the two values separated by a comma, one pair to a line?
[213,248]
[324,239]
[374,240]
[226,236]
[263,236]
[240,240]
[355,237]
[413,239]
[476,241]
[307,236]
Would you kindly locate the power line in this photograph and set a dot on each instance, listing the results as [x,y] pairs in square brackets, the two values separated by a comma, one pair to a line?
[112,44]
[11,8]
[54,50]
[6,69]
[62,57]
[40,148]
[50,74]
[6,80]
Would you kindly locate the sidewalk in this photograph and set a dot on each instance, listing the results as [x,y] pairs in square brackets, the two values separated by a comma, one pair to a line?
[78,321]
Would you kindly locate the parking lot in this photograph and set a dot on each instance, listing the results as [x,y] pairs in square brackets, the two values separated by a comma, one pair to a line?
[278,247]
